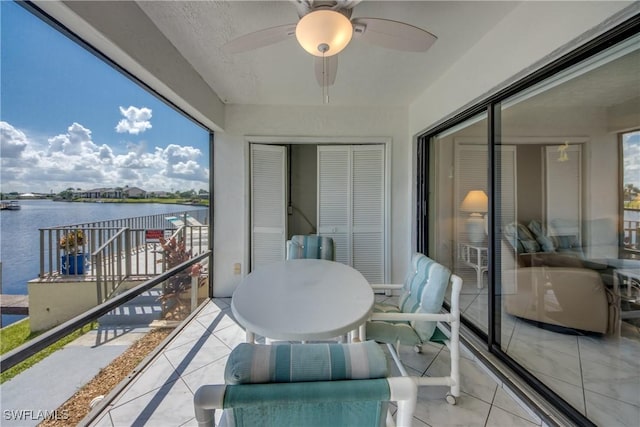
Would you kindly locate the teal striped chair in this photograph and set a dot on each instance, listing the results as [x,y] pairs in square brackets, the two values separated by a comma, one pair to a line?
[311,246]
[414,320]
[320,384]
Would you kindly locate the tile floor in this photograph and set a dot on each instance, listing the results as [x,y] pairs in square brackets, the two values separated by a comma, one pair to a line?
[162,394]
[598,375]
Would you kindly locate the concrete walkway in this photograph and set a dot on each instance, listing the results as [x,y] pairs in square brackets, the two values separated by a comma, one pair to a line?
[33,395]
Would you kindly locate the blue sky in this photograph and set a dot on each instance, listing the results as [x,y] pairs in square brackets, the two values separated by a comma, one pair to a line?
[67,119]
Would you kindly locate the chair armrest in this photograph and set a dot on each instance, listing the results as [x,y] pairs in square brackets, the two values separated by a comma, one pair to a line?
[408,317]
[206,400]
[382,287]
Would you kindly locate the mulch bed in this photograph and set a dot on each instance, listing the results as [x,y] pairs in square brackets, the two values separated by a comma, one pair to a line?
[77,407]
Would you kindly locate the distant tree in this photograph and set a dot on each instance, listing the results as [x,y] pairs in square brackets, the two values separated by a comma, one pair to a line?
[66,194]
[630,191]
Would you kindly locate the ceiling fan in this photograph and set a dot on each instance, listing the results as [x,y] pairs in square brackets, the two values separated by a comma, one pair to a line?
[326,27]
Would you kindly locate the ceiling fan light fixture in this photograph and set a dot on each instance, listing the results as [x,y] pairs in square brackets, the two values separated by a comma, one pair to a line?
[324,32]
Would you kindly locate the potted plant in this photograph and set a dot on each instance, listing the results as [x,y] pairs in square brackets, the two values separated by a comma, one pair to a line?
[72,244]
[175,288]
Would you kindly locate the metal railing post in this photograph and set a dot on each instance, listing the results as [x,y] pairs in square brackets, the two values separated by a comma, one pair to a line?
[99,276]
[41,274]
[127,251]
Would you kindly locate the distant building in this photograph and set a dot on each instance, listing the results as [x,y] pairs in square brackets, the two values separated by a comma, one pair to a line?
[134,193]
[99,193]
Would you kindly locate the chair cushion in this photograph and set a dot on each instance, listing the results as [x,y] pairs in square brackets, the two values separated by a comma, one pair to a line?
[391,331]
[424,293]
[311,246]
[255,363]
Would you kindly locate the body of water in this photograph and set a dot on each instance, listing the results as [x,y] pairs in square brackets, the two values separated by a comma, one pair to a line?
[20,238]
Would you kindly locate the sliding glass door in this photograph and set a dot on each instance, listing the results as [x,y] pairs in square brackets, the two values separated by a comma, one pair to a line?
[532,200]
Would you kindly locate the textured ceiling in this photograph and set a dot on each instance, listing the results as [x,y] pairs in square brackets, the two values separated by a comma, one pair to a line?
[282,74]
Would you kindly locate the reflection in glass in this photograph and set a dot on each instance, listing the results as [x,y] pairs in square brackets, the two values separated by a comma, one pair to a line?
[565,252]
[458,217]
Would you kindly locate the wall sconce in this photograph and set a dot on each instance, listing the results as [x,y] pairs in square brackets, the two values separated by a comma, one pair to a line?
[475,202]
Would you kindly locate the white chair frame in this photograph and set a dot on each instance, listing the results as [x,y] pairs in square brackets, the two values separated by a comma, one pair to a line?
[453,343]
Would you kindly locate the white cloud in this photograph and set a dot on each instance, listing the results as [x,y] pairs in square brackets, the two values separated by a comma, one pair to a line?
[181,163]
[12,141]
[76,141]
[136,120]
[74,159]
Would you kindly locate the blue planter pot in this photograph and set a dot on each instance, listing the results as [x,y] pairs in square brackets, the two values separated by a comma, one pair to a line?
[73,264]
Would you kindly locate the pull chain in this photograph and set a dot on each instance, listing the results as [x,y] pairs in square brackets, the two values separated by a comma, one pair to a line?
[325,81]
[323,47]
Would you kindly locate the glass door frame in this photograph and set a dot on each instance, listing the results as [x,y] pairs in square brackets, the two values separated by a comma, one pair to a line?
[492,106]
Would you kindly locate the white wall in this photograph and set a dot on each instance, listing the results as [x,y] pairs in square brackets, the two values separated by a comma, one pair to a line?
[230,174]
[530,32]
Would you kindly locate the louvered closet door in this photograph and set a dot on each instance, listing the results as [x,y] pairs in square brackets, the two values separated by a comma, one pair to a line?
[368,212]
[268,206]
[351,205]
[334,198]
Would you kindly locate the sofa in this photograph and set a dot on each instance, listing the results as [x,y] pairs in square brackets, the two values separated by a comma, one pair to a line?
[537,246]
[573,298]
[551,282]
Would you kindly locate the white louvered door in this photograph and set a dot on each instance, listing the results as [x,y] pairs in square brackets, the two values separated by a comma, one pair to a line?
[334,176]
[268,204]
[368,211]
[351,205]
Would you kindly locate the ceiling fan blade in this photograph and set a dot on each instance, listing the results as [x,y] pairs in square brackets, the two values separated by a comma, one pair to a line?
[392,34]
[327,66]
[260,38]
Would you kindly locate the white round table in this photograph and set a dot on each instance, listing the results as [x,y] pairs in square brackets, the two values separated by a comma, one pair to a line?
[302,299]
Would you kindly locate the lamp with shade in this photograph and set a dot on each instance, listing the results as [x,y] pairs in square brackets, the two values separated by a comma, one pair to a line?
[475,202]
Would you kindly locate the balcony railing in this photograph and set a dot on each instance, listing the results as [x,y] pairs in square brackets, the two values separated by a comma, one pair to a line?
[631,235]
[120,252]
[30,348]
